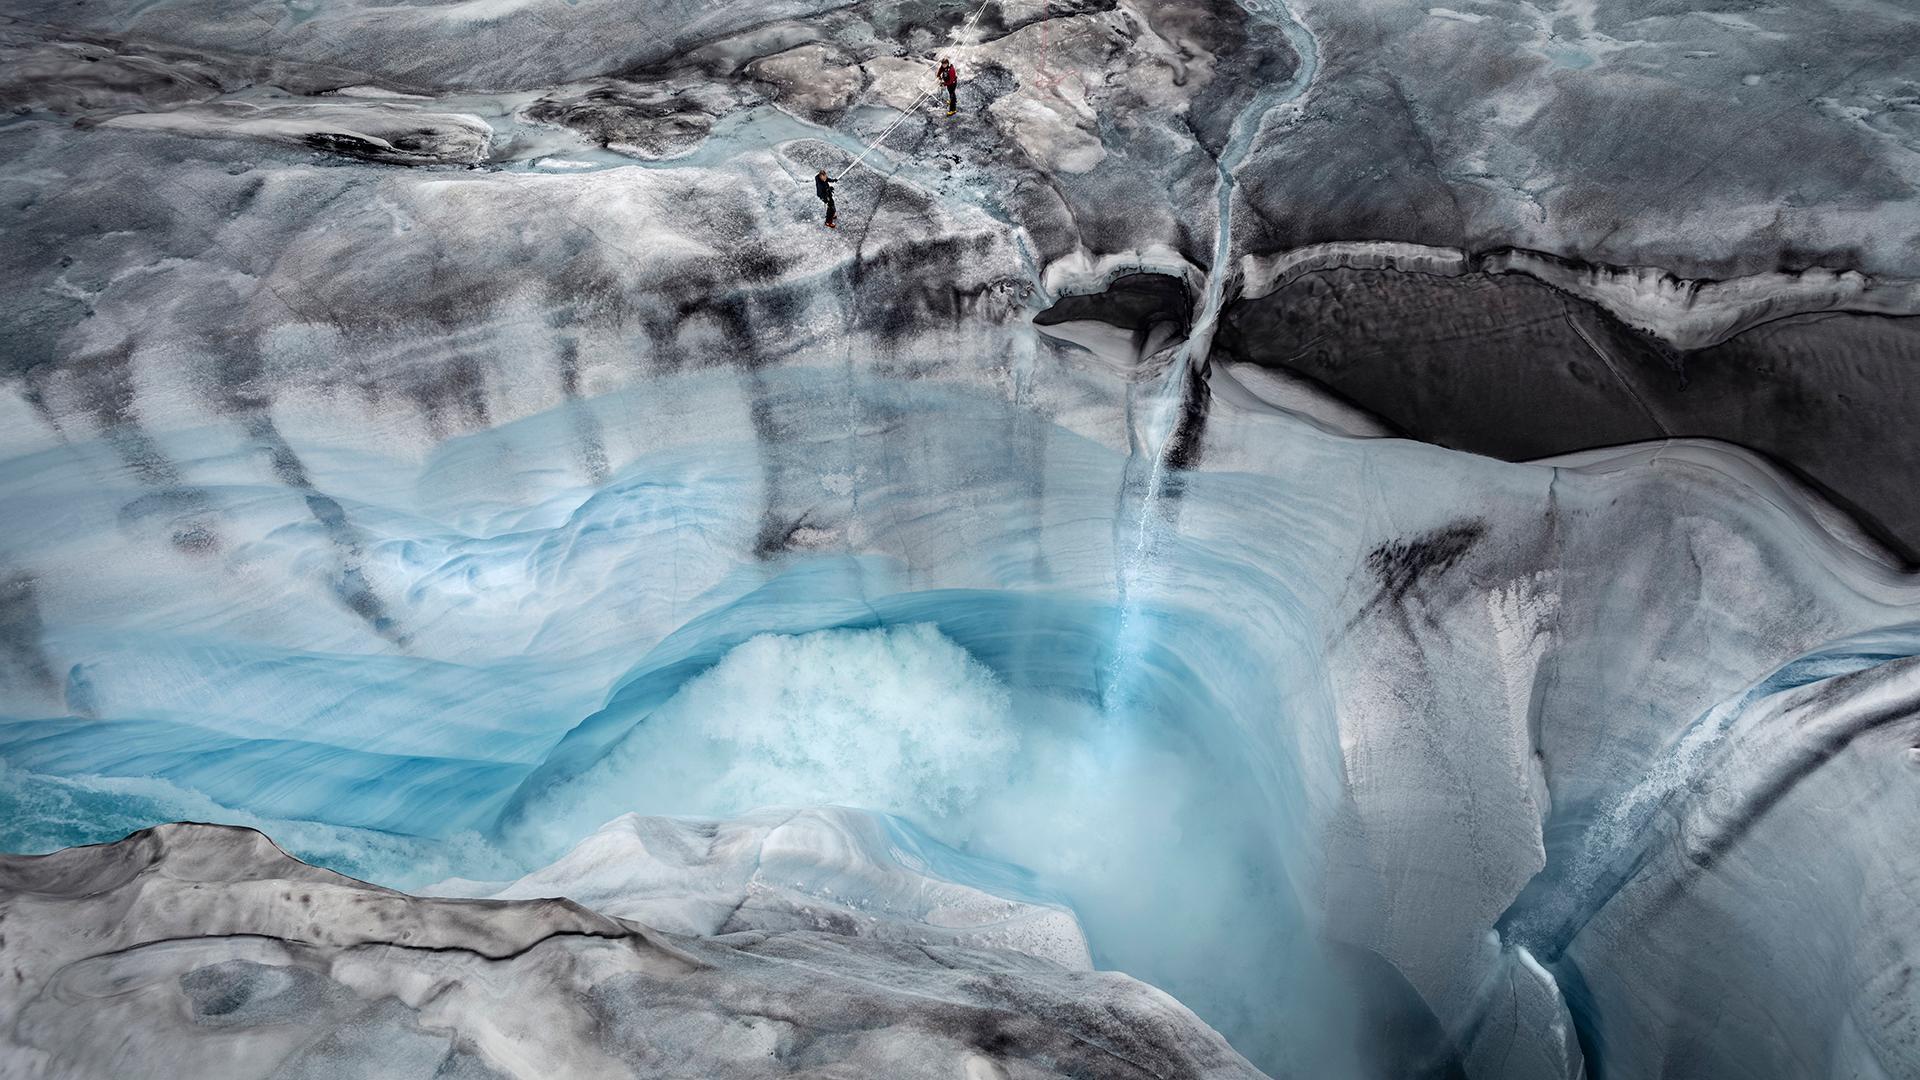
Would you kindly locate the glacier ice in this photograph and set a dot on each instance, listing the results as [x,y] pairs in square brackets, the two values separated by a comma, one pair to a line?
[1259,721]
[440,438]
[205,950]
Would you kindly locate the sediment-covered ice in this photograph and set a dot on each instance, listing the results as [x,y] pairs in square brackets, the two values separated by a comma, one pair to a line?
[524,529]
[375,132]
[202,950]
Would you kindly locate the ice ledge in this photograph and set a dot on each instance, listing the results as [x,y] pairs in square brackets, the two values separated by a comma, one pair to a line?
[209,949]
[831,869]
[391,134]
[1684,312]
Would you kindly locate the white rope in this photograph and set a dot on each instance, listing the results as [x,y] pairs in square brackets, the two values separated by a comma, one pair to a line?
[976,16]
[883,135]
[875,144]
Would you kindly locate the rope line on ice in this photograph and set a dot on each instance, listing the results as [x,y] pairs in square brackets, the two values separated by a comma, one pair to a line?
[908,111]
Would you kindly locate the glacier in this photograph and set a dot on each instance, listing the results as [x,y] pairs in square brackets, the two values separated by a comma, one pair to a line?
[487,587]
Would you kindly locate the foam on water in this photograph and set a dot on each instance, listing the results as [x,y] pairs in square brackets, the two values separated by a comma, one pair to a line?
[978,718]
[897,719]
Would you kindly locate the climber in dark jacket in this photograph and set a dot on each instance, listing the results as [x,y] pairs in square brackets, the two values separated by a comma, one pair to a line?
[949,78]
[823,187]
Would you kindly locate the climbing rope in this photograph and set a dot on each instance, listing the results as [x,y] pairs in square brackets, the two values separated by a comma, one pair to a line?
[924,94]
[883,135]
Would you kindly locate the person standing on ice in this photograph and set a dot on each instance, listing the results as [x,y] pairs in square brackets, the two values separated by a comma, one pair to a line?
[950,79]
[823,187]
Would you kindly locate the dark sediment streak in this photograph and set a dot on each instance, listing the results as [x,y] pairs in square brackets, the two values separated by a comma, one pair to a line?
[1515,369]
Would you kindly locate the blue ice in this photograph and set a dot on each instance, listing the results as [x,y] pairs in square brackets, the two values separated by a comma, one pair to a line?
[560,648]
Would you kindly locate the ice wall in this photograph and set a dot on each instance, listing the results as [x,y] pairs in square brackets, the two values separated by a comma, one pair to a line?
[1345,668]
[955,676]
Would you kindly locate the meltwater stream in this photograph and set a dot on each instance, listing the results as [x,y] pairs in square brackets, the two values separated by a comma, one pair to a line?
[1166,400]
[577,651]
[976,716]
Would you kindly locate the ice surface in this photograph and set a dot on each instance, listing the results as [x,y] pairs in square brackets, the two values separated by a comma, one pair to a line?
[207,951]
[438,520]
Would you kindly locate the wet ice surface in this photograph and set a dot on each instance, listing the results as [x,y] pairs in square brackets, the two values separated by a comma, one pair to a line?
[433,443]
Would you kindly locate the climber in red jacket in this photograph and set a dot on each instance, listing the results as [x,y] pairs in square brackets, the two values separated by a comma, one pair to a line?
[949,78]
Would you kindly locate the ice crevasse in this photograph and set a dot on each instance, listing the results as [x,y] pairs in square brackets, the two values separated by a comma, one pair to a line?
[737,638]
[1338,730]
